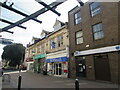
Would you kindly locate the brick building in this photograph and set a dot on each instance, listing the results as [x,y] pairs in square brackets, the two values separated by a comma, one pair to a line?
[94,36]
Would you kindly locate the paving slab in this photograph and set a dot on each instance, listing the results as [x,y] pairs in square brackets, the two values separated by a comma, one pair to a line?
[34,81]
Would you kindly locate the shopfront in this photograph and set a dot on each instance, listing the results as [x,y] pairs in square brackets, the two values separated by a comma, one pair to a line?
[98,64]
[58,66]
[39,63]
[29,64]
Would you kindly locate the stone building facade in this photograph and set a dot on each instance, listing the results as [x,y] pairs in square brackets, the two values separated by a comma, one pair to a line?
[50,52]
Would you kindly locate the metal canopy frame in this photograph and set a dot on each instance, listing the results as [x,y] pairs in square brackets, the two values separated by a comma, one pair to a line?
[33,16]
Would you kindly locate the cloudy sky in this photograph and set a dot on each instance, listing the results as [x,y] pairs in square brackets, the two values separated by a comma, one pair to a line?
[33,28]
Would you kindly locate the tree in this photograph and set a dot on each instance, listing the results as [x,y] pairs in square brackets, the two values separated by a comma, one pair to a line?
[14,54]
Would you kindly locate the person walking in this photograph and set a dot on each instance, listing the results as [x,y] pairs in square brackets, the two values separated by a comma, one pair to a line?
[20,68]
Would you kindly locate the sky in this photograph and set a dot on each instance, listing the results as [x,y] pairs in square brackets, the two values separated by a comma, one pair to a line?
[24,36]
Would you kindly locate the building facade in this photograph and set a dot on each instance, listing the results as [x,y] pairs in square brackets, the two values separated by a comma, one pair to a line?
[57,55]
[28,61]
[50,52]
[94,32]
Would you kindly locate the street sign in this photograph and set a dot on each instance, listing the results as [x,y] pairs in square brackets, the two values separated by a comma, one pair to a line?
[6,41]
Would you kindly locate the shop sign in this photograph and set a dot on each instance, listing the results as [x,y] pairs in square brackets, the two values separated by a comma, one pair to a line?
[98,50]
[60,59]
[39,56]
[29,59]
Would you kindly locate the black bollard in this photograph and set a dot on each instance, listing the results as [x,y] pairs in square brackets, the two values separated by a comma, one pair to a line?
[76,84]
[19,82]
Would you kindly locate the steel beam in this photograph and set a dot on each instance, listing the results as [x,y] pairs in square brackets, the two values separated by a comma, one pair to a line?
[6,31]
[5,21]
[19,12]
[34,15]
[47,6]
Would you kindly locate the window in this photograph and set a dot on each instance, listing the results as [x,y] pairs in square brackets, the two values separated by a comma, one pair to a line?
[77,17]
[33,51]
[60,41]
[95,8]
[38,48]
[98,31]
[79,37]
[43,48]
[52,44]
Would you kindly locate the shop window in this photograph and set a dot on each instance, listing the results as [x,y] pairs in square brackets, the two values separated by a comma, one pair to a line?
[77,17]
[95,8]
[79,37]
[98,31]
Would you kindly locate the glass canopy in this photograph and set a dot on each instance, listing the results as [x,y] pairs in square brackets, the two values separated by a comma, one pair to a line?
[16,12]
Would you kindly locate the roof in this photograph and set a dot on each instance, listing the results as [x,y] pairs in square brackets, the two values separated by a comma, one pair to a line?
[57,22]
[46,32]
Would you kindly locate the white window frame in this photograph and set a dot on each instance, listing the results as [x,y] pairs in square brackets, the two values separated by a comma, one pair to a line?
[79,38]
[77,17]
[95,10]
[98,31]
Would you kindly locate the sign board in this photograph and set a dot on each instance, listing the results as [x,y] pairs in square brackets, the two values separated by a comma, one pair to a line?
[98,50]
[59,59]
[39,56]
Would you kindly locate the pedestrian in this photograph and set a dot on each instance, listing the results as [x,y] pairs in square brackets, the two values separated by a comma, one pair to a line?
[19,68]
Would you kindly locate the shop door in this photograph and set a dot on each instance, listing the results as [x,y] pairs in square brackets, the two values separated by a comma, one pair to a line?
[102,70]
[58,69]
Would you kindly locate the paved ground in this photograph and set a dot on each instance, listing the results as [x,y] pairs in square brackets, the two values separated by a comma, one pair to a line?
[0,82]
[33,80]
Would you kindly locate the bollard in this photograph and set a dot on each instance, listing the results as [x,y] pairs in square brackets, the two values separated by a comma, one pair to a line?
[19,82]
[76,84]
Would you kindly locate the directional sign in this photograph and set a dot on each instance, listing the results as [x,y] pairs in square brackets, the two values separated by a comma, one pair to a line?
[6,41]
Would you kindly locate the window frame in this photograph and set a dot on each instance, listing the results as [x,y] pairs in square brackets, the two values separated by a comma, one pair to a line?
[91,10]
[76,38]
[43,48]
[77,18]
[51,43]
[60,42]
[97,31]
[38,49]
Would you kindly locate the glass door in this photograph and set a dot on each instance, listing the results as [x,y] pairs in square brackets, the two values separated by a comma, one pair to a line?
[60,68]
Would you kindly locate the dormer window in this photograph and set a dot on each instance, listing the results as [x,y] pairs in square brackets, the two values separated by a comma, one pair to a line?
[57,27]
[43,35]
[58,24]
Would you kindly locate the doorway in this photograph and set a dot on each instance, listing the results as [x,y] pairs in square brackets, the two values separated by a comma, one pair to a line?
[102,69]
[57,68]
[81,67]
